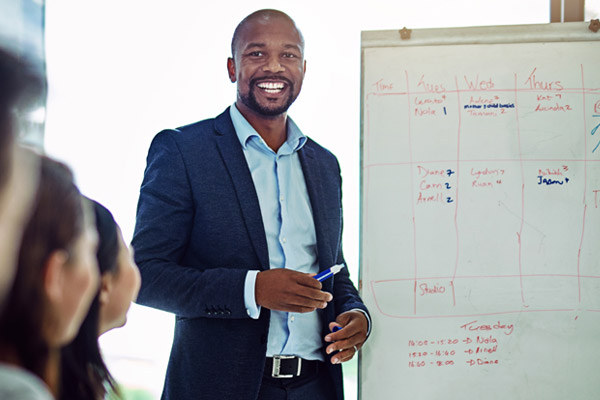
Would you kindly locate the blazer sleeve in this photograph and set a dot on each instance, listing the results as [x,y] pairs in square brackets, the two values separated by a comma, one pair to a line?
[165,215]
[345,295]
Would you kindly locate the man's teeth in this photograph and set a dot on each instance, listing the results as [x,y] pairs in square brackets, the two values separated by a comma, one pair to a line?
[271,87]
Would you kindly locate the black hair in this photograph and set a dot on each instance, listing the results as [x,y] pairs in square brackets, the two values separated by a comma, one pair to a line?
[84,375]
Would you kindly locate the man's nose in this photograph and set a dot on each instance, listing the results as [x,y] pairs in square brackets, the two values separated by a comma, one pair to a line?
[273,65]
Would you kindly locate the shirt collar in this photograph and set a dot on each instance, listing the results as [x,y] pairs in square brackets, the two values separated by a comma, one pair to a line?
[295,138]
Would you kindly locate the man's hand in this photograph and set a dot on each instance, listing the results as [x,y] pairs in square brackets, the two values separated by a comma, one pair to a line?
[292,291]
[348,340]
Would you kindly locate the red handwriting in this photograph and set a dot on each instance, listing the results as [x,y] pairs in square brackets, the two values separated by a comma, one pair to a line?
[474,326]
[535,83]
[381,86]
[487,113]
[548,97]
[472,350]
[416,364]
[596,198]
[480,361]
[548,171]
[430,355]
[436,100]
[421,111]
[441,342]
[426,172]
[479,350]
[476,184]
[556,107]
[597,107]
[482,340]
[434,290]
[479,173]
[436,198]
[418,343]
[484,100]
[425,186]
[488,173]
[431,87]
[479,85]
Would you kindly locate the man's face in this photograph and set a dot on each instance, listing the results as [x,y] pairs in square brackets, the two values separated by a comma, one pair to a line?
[268,66]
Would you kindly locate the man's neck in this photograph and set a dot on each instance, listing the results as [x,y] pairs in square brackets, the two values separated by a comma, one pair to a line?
[272,130]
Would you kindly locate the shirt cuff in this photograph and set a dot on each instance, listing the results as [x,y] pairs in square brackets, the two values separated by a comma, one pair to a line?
[252,308]
[367,317]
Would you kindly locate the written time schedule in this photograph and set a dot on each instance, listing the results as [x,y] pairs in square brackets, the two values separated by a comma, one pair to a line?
[487,180]
[480,215]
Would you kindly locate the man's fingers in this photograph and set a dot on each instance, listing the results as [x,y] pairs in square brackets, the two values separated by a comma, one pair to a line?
[344,355]
[348,343]
[314,294]
[291,291]
[308,280]
[345,332]
[299,300]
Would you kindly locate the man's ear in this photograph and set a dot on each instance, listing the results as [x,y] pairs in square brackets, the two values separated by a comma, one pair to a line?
[54,277]
[305,66]
[106,286]
[231,69]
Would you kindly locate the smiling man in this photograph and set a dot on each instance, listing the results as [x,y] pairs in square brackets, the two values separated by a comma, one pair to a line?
[236,215]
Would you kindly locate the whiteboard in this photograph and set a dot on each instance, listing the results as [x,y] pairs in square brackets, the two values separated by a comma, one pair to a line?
[480,213]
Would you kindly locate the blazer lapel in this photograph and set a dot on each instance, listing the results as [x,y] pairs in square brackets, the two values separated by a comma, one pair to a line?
[235,162]
[312,176]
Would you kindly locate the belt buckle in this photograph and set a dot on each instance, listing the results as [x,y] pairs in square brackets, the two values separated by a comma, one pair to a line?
[275,372]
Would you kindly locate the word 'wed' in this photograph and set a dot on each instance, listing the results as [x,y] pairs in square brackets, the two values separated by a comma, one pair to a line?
[479,85]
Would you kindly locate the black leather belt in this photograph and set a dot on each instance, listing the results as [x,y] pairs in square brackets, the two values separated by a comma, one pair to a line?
[281,366]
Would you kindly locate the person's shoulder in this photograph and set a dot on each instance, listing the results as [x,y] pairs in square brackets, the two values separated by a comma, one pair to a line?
[199,127]
[203,127]
[194,134]
[19,384]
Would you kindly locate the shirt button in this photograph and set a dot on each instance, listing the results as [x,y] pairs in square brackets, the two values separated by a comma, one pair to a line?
[281,198]
[292,318]
[283,240]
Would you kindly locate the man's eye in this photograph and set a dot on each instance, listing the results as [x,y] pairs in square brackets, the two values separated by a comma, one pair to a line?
[256,53]
[289,55]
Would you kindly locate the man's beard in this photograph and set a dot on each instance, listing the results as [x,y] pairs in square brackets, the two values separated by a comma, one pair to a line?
[251,102]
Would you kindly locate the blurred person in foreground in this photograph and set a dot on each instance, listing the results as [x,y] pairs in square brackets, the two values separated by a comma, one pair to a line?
[236,215]
[84,375]
[56,280]
[19,86]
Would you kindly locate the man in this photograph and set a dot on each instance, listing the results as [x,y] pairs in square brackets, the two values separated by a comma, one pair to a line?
[236,215]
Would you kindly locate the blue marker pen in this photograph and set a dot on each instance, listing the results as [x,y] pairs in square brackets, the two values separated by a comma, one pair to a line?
[336,328]
[328,273]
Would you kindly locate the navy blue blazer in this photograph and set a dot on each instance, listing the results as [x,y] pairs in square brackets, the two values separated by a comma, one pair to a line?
[198,231]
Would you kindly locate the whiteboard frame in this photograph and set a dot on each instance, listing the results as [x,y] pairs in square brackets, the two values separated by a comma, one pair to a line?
[554,32]
[499,34]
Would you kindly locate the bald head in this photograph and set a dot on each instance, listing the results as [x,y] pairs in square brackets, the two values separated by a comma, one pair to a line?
[261,17]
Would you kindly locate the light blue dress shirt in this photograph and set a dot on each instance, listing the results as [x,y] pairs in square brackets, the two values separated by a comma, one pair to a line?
[290,230]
